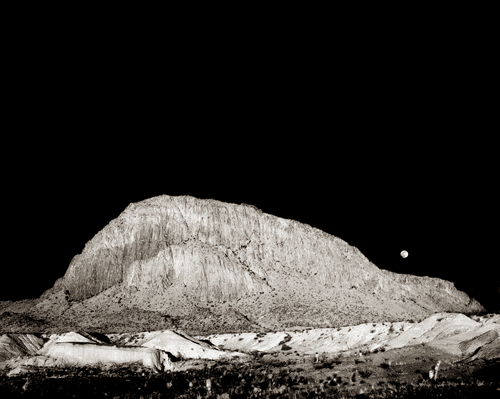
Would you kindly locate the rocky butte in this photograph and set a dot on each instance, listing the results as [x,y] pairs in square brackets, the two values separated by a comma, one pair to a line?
[207,266]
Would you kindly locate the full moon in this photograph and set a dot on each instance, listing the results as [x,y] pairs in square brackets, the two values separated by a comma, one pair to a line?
[404,254]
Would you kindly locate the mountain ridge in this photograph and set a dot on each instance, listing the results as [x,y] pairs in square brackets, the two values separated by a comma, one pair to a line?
[213,255]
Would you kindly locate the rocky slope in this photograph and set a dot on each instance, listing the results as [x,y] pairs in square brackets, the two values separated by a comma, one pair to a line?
[213,266]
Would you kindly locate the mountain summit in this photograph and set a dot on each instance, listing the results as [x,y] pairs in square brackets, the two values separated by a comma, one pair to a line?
[210,265]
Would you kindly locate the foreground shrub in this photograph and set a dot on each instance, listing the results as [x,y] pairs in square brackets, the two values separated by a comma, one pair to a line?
[326,365]
[365,373]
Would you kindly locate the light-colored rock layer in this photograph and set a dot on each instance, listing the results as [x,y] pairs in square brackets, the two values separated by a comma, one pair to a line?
[90,354]
[151,348]
[366,336]
[66,337]
[454,334]
[12,345]
[457,336]
[185,348]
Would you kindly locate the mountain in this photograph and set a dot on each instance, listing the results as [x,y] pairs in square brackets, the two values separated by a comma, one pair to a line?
[209,266]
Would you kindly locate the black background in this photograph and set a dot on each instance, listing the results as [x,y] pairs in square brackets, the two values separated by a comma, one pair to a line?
[385,141]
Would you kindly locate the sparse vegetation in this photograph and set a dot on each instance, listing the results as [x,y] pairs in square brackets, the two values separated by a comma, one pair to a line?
[385,365]
[288,338]
[323,365]
[365,373]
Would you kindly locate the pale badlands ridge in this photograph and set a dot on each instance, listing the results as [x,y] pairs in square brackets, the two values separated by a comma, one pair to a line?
[455,336]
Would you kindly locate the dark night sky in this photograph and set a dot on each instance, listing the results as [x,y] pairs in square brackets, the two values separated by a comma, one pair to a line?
[386,157]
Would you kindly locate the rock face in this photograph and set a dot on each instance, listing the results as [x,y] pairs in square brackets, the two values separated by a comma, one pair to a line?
[12,345]
[225,260]
[187,347]
[84,353]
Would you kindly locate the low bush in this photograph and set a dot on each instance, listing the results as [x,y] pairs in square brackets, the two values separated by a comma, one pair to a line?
[365,373]
[288,338]
[319,366]
[385,365]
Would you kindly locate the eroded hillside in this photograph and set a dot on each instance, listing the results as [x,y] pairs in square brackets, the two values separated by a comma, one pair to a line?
[209,265]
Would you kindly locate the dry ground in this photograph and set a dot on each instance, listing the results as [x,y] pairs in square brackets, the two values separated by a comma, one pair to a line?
[354,375]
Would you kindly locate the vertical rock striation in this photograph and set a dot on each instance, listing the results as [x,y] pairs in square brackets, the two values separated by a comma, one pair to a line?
[221,251]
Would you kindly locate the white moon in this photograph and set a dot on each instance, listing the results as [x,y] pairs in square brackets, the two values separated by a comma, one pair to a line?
[404,254]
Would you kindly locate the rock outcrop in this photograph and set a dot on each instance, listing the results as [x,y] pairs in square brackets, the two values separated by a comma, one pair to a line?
[12,345]
[185,347]
[455,334]
[195,259]
[84,353]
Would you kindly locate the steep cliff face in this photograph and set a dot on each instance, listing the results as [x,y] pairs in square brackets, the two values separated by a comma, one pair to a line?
[217,252]
[221,251]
